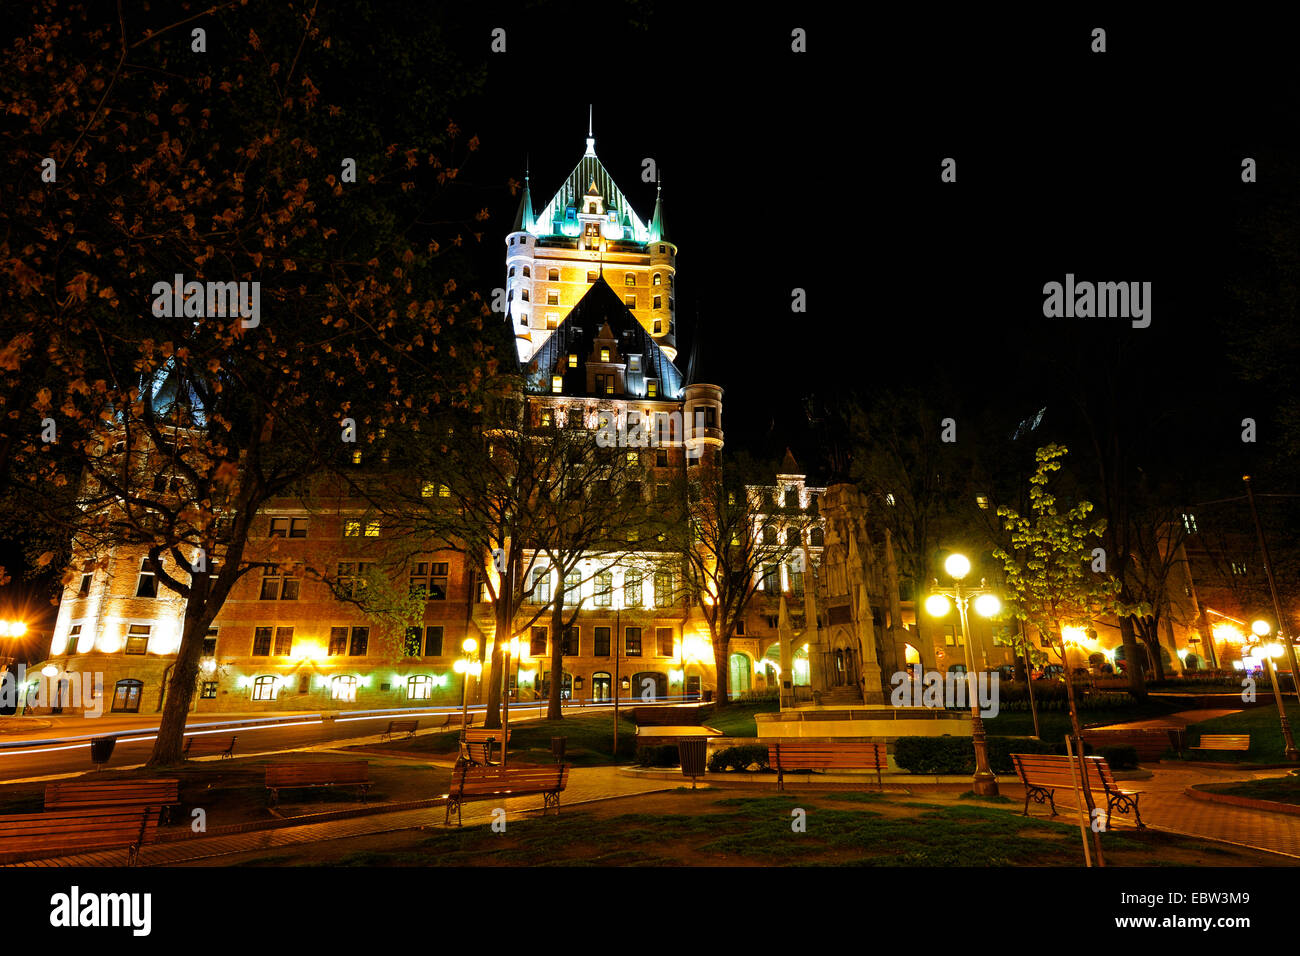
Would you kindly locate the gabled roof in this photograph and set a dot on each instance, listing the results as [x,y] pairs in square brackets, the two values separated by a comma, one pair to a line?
[589,174]
[598,313]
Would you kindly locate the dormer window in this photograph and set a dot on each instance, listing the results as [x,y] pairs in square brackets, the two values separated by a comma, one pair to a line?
[557,384]
[591,208]
[573,360]
[651,388]
[591,276]
[634,363]
[604,355]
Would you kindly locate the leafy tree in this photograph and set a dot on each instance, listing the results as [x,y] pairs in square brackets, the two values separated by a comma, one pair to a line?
[1050,584]
[221,166]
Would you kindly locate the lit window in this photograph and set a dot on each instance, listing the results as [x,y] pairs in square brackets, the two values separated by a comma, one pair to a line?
[634,363]
[428,580]
[604,355]
[552,320]
[553,275]
[591,276]
[663,589]
[557,384]
[889,500]
[651,388]
[372,529]
[264,688]
[659,326]
[546,418]
[552,298]
[428,488]
[982,501]
[351,528]
[419,687]
[629,278]
[137,638]
[573,360]
[356,457]
[629,301]
[604,590]
[541,585]
[343,687]
[632,588]
[444,491]
[657,280]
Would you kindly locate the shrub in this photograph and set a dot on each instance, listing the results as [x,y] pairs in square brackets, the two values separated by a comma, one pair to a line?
[956,755]
[662,756]
[1119,757]
[738,759]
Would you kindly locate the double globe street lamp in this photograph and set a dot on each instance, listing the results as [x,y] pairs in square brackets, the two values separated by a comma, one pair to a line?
[1268,653]
[986,605]
[465,666]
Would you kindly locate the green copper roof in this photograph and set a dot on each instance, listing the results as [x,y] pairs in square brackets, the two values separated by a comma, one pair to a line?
[622,220]
[658,232]
[524,216]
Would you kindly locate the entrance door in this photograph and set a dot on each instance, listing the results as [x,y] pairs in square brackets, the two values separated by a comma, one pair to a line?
[601,686]
[741,673]
[60,695]
[693,687]
[126,696]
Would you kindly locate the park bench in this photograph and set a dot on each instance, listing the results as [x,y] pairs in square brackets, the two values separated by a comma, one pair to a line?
[1149,742]
[407,727]
[204,745]
[1223,742]
[126,794]
[469,782]
[37,835]
[476,746]
[1043,774]
[800,755]
[290,776]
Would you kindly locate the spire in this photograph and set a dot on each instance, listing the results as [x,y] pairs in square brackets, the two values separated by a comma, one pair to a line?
[693,363]
[591,137]
[524,216]
[788,465]
[658,233]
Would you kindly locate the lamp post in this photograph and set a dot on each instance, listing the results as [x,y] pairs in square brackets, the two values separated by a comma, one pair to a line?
[465,666]
[1263,629]
[986,605]
[1284,632]
[618,646]
[512,650]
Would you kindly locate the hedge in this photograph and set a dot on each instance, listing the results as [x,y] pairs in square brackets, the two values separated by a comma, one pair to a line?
[739,759]
[662,756]
[956,755]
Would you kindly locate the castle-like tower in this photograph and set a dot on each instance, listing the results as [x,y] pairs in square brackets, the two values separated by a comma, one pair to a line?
[587,229]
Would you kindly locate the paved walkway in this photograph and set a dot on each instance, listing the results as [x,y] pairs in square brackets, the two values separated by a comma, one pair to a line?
[1182,719]
[586,785]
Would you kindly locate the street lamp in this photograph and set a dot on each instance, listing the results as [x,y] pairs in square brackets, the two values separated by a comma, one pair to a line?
[986,605]
[465,666]
[1263,629]
[512,650]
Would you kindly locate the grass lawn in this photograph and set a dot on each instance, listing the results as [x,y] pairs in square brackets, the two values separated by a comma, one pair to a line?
[1266,745]
[738,719]
[234,791]
[1055,724]
[751,828]
[1277,789]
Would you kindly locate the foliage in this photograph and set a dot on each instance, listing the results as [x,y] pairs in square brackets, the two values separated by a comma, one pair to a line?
[739,759]
[955,755]
[659,756]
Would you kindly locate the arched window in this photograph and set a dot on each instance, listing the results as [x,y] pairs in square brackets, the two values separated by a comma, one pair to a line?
[343,687]
[792,536]
[511,273]
[601,686]
[657,279]
[553,275]
[264,688]
[629,278]
[419,687]
[126,696]
[817,538]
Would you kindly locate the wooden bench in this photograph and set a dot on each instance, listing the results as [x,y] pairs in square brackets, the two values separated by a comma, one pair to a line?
[62,832]
[476,746]
[1149,742]
[1043,774]
[408,727]
[289,776]
[127,794]
[469,782]
[800,755]
[204,745]
[1223,742]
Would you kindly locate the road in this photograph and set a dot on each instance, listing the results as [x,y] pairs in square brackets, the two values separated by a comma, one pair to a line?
[65,748]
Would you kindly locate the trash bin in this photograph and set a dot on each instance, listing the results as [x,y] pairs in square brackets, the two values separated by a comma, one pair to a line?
[557,748]
[692,752]
[101,748]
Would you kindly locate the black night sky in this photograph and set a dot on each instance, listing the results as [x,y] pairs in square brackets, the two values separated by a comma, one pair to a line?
[821,171]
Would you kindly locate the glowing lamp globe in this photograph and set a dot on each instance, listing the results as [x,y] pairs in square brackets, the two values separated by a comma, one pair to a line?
[458,667]
[1273,650]
[936,605]
[986,605]
[1261,628]
[470,645]
[957,566]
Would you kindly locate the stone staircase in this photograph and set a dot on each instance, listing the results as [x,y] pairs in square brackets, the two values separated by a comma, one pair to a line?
[840,697]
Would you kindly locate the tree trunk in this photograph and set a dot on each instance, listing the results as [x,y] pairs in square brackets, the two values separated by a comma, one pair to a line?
[721,666]
[492,673]
[169,746]
[1078,750]
[554,711]
[1135,658]
[1148,630]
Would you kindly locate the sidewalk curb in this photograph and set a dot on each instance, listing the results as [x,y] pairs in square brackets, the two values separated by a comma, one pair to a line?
[1250,803]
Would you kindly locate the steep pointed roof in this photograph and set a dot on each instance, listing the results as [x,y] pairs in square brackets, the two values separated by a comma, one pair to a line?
[788,465]
[590,173]
[524,216]
[658,231]
[601,314]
